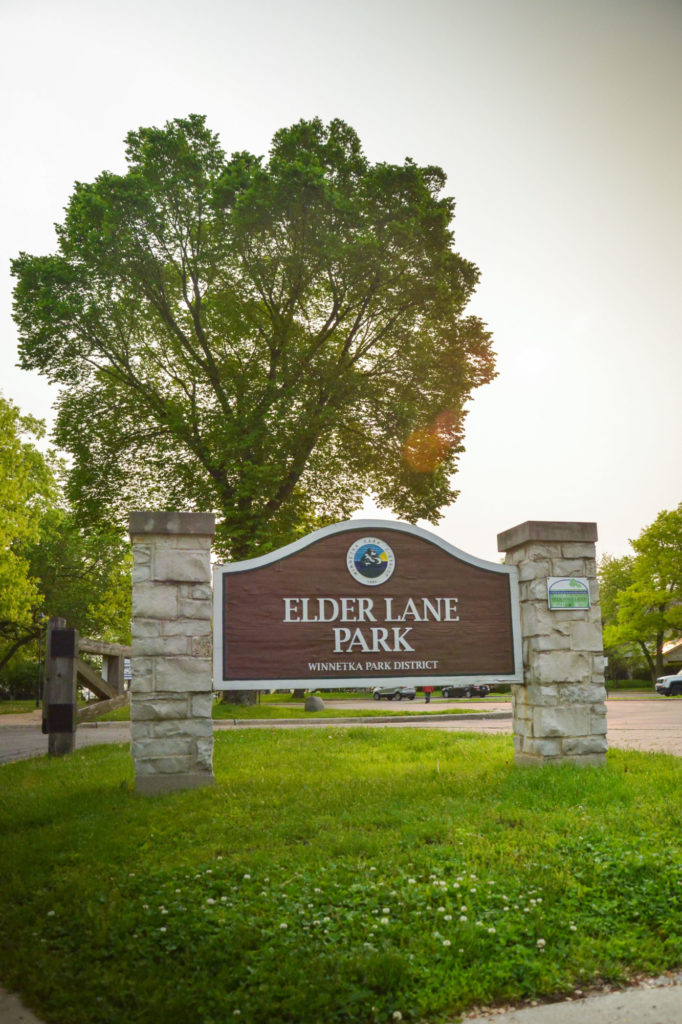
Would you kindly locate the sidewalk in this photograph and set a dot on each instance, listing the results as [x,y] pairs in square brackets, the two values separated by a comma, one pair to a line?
[653,1001]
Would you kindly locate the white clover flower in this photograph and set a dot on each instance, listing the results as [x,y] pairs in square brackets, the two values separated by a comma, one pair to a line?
[210,901]
[463,917]
[541,943]
[441,910]
[51,913]
[247,877]
[383,920]
[573,928]
[411,881]
[463,909]
[397,1015]
[385,910]
[491,931]
[236,1013]
[448,917]
[446,942]
[284,925]
[164,929]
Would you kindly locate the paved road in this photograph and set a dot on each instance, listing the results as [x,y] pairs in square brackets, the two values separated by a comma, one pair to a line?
[653,724]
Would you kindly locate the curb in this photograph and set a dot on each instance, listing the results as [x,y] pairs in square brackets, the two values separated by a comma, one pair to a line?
[230,723]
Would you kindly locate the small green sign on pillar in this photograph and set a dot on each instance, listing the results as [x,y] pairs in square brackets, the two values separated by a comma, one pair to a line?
[568,592]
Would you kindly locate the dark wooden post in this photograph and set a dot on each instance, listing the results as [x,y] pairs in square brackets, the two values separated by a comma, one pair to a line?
[112,665]
[59,702]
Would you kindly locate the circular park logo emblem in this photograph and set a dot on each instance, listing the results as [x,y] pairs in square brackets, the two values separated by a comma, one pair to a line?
[370,561]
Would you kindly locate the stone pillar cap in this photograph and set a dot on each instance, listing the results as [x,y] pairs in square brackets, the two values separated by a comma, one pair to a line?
[534,530]
[198,524]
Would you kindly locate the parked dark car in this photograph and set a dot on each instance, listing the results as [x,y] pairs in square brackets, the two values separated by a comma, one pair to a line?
[394,693]
[465,690]
[669,686]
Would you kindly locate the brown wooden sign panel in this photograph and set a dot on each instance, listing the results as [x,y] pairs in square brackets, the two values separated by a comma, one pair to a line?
[364,602]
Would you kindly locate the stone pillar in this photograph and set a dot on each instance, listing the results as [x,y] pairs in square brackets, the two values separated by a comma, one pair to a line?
[171,695]
[559,711]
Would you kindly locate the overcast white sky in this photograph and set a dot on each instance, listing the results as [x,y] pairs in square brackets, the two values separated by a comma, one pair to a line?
[559,125]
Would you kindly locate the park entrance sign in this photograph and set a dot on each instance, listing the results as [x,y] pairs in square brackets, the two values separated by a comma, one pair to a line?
[361,603]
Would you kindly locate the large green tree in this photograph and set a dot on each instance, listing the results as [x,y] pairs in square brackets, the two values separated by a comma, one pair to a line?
[269,338]
[49,564]
[27,489]
[642,593]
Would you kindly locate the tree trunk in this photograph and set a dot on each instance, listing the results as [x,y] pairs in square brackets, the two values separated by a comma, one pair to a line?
[659,656]
[649,660]
[245,697]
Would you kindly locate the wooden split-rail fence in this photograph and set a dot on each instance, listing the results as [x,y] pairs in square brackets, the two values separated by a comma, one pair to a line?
[65,670]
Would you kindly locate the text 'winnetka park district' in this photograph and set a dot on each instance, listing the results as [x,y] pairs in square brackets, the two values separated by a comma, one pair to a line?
[371,639]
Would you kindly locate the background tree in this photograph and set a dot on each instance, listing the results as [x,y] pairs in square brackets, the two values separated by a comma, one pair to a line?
[269,339]
[49,564]
[27,488]
[643,592]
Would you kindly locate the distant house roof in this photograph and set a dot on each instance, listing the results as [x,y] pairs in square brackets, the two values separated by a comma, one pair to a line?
[672,650]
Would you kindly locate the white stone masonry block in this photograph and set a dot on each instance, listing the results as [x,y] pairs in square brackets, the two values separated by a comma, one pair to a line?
[155,601]
[202,705]
[184,675]
[166,746]
[561,721]
[164,765]
[572,549]
[181,566]
[585,745]
[561,667]
[159,709]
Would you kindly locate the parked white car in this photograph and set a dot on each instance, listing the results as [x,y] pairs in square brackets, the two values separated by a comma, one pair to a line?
[669,685]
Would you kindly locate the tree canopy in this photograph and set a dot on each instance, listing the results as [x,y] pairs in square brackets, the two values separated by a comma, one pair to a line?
[49,565]
[268,338]
[641,594]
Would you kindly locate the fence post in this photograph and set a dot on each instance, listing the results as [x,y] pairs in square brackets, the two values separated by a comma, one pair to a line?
[60,696]
[112,671]
[171,695]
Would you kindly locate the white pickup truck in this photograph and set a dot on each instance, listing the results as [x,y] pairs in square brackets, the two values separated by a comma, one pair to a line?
[669,685]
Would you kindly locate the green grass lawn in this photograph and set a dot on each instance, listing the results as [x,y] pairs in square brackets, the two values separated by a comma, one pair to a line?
[16,707]
[334,878]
